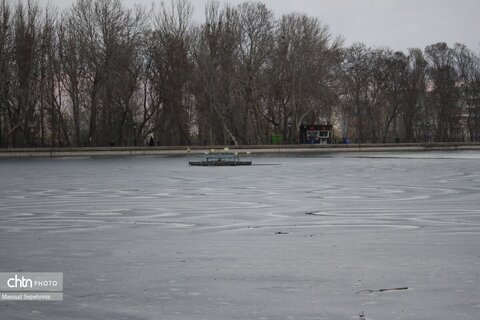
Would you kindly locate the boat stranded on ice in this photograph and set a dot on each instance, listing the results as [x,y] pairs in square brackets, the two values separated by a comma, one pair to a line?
[218,158]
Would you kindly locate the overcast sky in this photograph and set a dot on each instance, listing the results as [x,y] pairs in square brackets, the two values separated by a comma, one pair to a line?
[398,24]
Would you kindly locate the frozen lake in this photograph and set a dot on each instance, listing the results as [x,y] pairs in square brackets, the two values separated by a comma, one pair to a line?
[287,238]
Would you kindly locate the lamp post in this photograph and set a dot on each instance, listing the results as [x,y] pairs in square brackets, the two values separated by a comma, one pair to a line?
[31,127]
[135,135]
[426,131]
[289,133]
[476,122]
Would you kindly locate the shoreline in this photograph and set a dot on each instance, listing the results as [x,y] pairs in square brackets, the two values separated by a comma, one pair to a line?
[260,149]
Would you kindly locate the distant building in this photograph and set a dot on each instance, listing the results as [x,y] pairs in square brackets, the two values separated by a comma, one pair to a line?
[316,133]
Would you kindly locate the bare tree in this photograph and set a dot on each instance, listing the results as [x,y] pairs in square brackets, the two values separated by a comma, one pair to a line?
[53,120]
[468,70]
[31,97]
[474,105]
[304,74]
[414,93]
[101,54]
[7,127]
[444,92]
[216,60]
[25,73]
[394,80]
[73,76]
[256,23]
[365,76]
[171,70]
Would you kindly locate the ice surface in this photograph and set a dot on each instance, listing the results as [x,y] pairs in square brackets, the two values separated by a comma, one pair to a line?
[286,238]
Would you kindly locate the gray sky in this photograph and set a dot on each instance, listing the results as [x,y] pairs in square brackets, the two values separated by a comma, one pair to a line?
[398,24]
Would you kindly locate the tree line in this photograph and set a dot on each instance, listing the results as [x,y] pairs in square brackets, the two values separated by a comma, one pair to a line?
[100,74]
